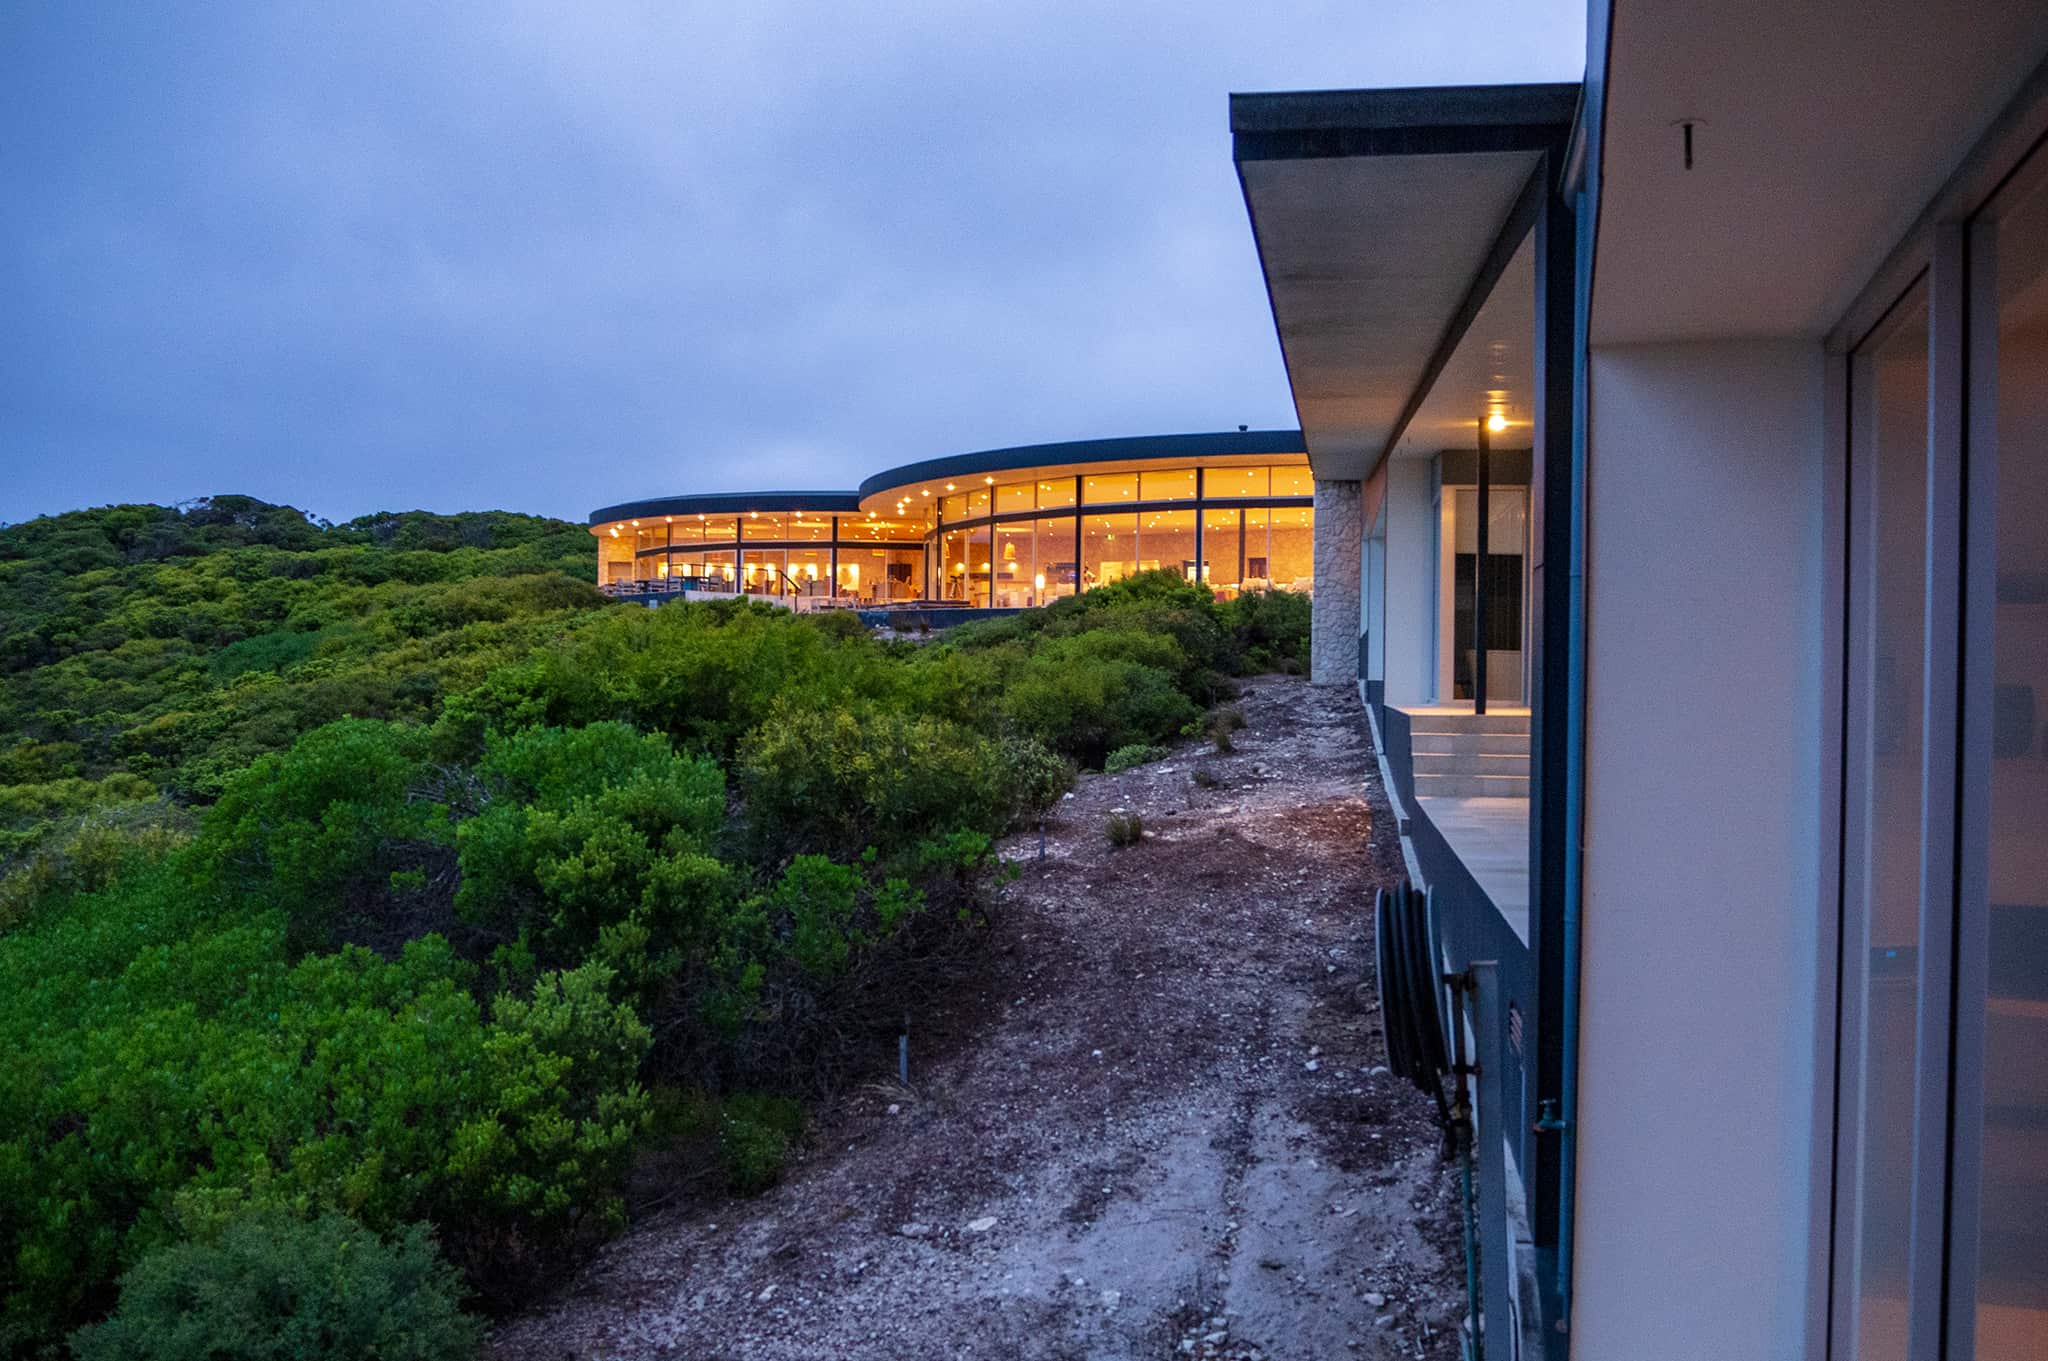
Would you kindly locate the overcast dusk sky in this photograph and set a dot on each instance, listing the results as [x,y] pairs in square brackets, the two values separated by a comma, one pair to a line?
[545,258]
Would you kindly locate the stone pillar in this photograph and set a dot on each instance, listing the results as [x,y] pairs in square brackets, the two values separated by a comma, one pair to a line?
[1340,529]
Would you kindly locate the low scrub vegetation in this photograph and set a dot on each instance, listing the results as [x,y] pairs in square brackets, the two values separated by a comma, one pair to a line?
[374,920]
[1124,828]
[1131,757]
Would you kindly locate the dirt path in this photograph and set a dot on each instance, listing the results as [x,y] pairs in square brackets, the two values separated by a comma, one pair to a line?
[1164,1137]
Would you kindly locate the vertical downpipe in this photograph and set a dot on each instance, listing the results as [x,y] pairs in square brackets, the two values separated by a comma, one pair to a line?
[1574,873]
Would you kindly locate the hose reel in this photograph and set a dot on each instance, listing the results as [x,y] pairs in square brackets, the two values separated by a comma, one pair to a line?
[1412,1006]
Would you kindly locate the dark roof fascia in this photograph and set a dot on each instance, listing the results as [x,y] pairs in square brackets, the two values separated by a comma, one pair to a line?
[1131,449]
[827,502]
[1432,120]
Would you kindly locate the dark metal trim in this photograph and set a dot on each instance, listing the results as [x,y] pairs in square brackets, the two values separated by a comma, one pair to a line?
[1429,120]
[728,502]
[1926,1262]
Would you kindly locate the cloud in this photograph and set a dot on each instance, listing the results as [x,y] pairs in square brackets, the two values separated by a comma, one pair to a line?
[552,257]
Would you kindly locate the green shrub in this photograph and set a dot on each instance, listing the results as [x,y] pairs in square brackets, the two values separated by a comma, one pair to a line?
[320,829]
[597,841]
[1124,829]
[86,853]
[755,1133]
[1131,757]
[1035,778]
[272,1288]
[1085,705]
[837,781]
[1272,628]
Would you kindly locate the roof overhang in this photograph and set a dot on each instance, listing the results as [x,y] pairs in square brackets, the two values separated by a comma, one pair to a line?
[1383,218]
[1817,137]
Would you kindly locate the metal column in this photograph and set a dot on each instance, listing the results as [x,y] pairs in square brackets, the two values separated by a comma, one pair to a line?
[1479,632]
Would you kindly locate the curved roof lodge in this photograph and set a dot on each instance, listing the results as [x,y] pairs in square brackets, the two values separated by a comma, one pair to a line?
[1002,528]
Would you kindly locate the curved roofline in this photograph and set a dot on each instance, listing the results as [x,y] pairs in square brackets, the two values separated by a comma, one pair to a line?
[707,502]
[1128,449]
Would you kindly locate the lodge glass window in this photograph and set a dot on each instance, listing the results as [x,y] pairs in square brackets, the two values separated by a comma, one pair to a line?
[1013,567]
[1055,492]
[1056,573]
[1109,548]
[1222,483]
[1223,550]
[1175,485]
[1109,487]
[1294,549]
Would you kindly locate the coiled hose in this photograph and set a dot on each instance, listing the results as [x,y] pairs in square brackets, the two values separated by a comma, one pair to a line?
[1415,1017]
[1411,989]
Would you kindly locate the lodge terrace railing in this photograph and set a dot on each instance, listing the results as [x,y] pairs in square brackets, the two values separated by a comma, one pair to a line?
[1474,942]
[774,583]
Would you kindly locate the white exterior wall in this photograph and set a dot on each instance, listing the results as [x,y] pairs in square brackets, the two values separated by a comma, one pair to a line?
[1409,596]
[1705,577]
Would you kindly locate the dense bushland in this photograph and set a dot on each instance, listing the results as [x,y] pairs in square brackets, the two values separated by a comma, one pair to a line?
[380,892]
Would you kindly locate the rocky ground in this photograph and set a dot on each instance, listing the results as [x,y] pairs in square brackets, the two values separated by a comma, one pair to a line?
[1163,1130]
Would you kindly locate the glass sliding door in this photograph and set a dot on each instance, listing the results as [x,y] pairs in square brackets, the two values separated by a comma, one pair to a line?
[1506,570]
[2001,1162]
[1940,1177]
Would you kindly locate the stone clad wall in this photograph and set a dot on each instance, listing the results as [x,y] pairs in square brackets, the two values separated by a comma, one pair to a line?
[1333,647]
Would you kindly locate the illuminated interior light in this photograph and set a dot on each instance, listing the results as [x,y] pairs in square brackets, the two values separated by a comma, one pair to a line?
[1496,422]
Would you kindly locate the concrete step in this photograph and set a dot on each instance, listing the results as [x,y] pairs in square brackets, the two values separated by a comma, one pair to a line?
[1471,763]
[1434,723]
[1468,743]
[1471,786]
